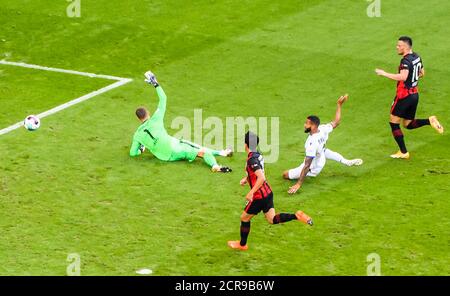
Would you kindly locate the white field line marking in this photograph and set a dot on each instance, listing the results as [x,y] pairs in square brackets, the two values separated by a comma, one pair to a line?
[120,81]
[37,67]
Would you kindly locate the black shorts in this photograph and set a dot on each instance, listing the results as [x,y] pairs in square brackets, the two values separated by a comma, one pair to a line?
[258,205]
[406,107]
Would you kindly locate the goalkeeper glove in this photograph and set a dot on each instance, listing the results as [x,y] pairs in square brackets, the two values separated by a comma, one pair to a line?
[151,79]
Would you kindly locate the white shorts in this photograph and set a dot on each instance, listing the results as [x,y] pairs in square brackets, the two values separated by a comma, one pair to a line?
[315,169]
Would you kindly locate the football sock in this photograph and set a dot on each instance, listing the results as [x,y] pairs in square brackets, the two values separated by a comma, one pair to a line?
[416,123]
[245,229]
[334,156]
[283,217]
[213,152]
[209,158]
[398,136]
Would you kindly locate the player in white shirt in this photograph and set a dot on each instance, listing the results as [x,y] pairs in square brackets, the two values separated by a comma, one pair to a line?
[316,153]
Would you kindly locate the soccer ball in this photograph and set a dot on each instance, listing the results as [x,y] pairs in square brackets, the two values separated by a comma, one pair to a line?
[31,123]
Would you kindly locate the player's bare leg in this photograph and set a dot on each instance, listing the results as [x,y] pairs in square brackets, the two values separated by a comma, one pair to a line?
[406,122]
[245,230]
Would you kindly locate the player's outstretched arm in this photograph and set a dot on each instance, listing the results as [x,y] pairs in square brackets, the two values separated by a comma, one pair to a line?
[402,76]
[293,189]
[337,118]
[150,78]
[161,111]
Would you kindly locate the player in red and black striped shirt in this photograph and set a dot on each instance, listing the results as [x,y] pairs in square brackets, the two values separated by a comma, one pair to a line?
[407,97]
[260,196]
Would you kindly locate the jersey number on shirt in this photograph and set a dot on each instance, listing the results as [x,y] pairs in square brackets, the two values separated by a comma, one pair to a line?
[416,73]
[151,136]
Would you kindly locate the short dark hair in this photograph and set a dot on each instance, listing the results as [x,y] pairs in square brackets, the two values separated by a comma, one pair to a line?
[407,40]
[314,119]
[252,140]
[141,113]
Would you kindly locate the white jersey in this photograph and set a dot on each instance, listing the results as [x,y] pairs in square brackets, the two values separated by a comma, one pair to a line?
[315,144]
[315,148]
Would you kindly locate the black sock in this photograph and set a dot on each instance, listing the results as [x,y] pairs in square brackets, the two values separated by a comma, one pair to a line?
[398,136]
[245,229]
[283,217]
[416,123]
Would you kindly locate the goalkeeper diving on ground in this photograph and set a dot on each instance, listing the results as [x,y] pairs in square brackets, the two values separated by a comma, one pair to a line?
[152,135]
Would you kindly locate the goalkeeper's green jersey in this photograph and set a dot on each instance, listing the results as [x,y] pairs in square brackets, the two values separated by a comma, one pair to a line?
[152,133]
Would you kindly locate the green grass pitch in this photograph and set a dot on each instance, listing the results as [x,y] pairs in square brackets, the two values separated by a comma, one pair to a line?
[71,187]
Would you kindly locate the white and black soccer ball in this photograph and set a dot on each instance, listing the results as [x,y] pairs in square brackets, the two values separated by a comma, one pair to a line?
[31,123]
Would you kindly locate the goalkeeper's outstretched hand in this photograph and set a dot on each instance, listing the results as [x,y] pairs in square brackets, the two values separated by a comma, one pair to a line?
[151,79]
